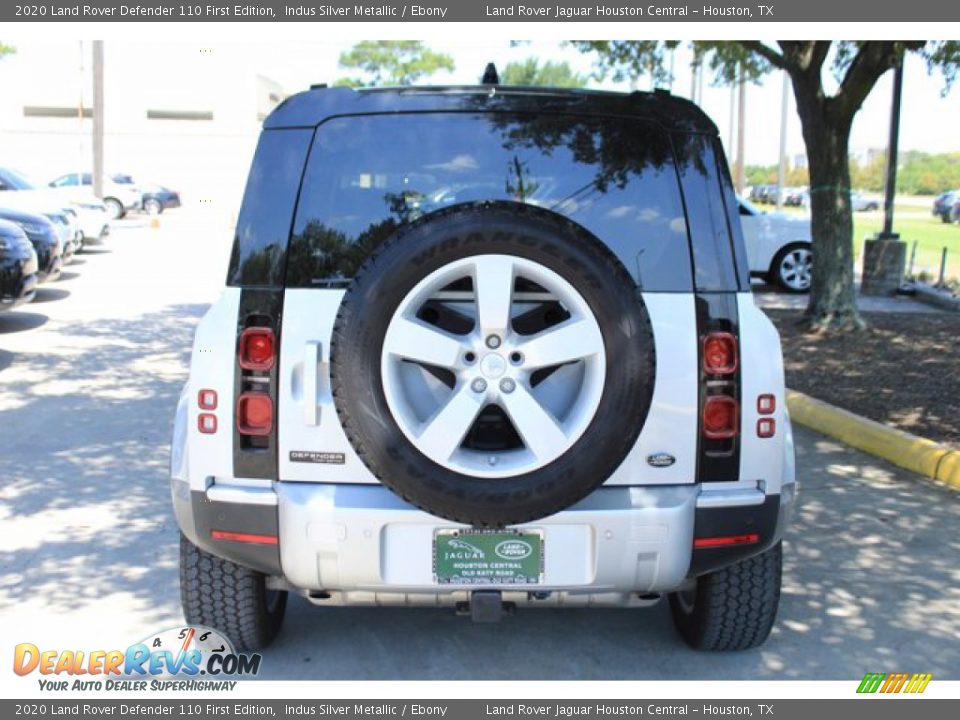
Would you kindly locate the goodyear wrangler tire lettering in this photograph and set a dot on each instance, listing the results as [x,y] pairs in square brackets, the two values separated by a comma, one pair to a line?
[492,363]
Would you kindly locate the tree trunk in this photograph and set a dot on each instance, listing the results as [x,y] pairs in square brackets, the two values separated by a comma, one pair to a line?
[832,305]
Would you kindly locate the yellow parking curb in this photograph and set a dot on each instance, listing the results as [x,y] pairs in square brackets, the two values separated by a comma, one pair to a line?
[911,452]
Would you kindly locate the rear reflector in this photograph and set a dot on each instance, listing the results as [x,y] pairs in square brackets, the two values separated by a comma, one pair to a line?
[719,353]
[257,349]
[725,541]
[254,414]
[766,427]
[244,537]
[207,423]
[207,399]
[766,404]
[719,417]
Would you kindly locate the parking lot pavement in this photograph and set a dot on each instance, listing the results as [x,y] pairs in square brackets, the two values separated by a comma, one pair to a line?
[89,379]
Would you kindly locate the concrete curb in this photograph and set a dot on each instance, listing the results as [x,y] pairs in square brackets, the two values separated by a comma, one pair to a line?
[911,452]
[937,298]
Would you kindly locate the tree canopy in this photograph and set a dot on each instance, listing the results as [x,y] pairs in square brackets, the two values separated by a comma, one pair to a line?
[826,119]
[550,74]
[391,62]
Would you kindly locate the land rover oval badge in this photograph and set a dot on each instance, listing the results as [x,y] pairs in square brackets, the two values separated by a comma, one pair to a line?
[661,460]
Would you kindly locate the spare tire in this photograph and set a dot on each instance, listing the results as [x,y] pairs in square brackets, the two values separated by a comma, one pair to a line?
[492,363]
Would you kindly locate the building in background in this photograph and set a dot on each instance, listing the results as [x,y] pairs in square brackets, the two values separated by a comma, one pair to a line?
[181,115]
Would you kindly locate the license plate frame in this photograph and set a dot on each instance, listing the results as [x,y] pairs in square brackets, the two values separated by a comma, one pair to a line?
[487,557]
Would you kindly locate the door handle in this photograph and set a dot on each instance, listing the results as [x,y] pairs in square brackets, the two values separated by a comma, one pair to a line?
[313,354]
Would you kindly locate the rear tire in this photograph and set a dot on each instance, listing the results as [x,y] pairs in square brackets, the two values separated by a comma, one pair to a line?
[115,208]
[733,608]
[230,598]
[450,482]
[792,267]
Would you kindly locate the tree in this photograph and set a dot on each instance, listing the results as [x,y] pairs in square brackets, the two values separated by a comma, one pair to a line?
[391,62]
[551,74]
[6,49]
[826,120]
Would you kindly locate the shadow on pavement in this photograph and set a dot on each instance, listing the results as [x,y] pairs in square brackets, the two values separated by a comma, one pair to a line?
[48,294]
[17,321]
[85,496]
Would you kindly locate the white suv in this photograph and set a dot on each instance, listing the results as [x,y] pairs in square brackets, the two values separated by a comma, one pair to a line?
[485,347]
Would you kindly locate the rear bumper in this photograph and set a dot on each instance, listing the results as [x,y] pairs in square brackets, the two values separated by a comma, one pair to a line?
[365,545]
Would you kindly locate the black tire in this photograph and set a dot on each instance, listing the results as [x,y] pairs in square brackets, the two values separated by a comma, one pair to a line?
[153,207]
[449,235]
[229,598]
[115,208]
[733,608]
[774,275]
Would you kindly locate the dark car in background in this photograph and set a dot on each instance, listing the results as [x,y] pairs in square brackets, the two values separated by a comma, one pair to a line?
[944,204]
[45,239]
[18,267]
[154,199]
[157,198]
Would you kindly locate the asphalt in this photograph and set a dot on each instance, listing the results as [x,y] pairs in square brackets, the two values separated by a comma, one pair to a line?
[89,377]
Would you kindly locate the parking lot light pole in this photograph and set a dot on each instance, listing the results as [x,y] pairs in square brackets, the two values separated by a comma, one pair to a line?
[884,255]
[98,118]
[782,171]
[890,190]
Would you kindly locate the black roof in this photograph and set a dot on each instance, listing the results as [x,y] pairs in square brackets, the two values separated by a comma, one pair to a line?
[314,106]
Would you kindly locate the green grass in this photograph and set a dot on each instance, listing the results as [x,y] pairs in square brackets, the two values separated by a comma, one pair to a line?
[930,234]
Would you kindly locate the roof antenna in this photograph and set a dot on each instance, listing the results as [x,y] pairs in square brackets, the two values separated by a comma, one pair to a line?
[490,76]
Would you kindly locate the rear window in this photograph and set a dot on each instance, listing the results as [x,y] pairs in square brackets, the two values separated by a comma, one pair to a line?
[368,175]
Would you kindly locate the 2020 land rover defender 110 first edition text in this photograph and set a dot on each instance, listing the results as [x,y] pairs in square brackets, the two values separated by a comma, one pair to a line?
[484,347]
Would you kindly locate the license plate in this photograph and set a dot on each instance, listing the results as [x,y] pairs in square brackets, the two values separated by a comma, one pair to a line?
[488,557]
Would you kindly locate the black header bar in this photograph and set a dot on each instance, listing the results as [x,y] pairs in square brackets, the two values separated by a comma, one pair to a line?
[642,11]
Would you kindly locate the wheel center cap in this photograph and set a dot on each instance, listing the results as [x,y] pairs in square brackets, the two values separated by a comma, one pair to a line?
[493,365]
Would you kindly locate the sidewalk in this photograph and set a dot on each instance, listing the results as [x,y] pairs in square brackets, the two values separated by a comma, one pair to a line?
[768,298]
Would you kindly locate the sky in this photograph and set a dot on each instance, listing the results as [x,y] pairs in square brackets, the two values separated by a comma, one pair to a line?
[929,122]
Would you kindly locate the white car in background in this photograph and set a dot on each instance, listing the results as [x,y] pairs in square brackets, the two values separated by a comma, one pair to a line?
[779,247]
[117,197]
[22,192]
[86,216]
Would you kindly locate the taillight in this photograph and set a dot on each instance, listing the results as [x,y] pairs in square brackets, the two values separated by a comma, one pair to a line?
[254,413]
[257,349]
[719,353]
[720,417]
